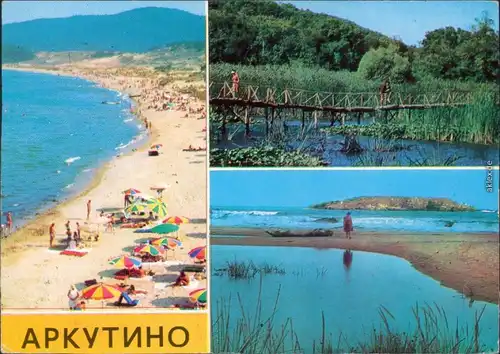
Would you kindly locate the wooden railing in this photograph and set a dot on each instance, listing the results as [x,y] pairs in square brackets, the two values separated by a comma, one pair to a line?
[223,94]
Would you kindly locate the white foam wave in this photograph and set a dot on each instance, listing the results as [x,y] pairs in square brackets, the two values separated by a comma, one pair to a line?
[72,159]
[87,170]
[69,186]
[488,211]
[248,212]
[128,120]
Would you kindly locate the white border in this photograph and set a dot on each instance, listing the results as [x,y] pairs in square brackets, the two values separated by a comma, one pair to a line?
[207,187]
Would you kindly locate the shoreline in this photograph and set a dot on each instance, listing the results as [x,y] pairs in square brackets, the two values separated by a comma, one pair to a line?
[28,263]
[465,262]
[97,171]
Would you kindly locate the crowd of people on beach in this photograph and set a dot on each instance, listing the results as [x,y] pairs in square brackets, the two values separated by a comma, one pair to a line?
[79,238]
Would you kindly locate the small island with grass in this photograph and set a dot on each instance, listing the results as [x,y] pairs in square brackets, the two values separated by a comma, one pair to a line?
[395,204]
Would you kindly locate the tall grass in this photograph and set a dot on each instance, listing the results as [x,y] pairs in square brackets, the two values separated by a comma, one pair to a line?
[248,270]
[478,122]
[253,331]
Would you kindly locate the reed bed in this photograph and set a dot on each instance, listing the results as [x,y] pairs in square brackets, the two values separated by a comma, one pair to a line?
[477,123]
[254,331]
[248,270]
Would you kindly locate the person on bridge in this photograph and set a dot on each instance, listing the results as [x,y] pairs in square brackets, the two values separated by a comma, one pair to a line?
[236,83]
[385,91]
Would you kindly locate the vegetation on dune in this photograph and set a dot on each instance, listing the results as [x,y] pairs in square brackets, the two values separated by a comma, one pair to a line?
[266,156]
[252,331]
[14,54]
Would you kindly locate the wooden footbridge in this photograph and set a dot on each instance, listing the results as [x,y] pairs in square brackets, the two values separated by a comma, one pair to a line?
[334,106]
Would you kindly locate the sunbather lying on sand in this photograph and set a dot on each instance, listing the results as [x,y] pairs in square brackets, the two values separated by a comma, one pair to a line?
[182,279]
[191,148]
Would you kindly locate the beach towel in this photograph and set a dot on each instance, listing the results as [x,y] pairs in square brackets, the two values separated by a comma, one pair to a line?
[76,253]
[130,302]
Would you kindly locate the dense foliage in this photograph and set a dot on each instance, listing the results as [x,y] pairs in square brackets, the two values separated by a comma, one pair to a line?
[265,32]
[261,157]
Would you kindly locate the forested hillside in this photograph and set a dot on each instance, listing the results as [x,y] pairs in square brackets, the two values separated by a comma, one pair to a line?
[139,30]
[265,32]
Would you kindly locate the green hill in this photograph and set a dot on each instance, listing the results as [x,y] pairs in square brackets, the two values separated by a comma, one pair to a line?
[138,31]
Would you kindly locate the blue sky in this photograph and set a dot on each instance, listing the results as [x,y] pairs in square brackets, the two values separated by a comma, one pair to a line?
[18,11]
[409,20]
[301,188]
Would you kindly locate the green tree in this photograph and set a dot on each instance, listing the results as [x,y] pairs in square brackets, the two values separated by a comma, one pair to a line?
[385,62]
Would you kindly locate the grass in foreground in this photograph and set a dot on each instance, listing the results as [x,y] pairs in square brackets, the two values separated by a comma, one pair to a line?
[256,332]
[248,270]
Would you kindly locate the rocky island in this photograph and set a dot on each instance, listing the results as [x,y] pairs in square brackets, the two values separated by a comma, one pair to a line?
[395,204]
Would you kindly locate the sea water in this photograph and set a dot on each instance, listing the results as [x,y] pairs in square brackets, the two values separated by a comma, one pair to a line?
[55,133]
[405,221]
[316,282]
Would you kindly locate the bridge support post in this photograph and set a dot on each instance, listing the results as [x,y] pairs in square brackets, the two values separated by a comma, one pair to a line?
[247,123]
[266,113]
[315,113]
[303,120]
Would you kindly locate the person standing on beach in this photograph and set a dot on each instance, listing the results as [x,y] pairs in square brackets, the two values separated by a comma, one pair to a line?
[348,228]
[52,233]
[9,222]
[78,231]
[89,208]
[236,83]
[73,296]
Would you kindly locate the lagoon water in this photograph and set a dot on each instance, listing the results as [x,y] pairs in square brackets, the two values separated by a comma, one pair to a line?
[48,119]
[413,151]
[304,218]
[317,280]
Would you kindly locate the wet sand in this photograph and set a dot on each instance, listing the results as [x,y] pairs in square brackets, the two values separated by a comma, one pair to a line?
[466,262]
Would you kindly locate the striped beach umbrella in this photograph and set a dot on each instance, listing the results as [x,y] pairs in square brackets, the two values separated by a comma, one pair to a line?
[198,252]
[177,220]
[125,262]
[100,292]
[131,191]
[135,208]
[158,207]
[199,296]
[150,249]
[165,229]
[156,146]
[168,242]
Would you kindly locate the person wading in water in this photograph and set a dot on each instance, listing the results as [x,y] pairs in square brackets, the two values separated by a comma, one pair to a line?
[385,92]
[236,83]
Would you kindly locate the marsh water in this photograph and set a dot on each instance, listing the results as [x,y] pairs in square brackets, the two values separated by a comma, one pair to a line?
[350,296]
[377,151]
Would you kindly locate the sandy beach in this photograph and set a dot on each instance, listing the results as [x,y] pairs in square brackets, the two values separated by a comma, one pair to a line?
[33,276]
[465,262]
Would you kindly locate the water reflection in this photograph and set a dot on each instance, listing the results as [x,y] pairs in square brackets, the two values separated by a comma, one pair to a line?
[347,259]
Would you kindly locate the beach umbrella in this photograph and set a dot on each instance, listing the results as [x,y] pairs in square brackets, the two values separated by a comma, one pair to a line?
[168,242]
[135,208]
[158,207]
[131,191]
[177,220]
[147,248]
[160,187]
[198,252]
[125,262]
[144,196]
[199,296]
[100,292]
[165,229]
[156,146]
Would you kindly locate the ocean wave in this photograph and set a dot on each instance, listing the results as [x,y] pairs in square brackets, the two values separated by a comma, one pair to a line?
[488,211]
[224,213]
[69,186]
[128,120]
[87,170]
[72,159]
